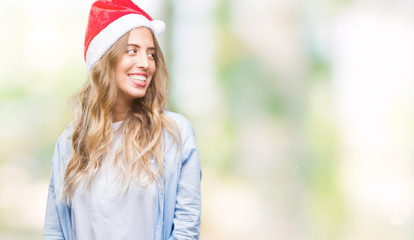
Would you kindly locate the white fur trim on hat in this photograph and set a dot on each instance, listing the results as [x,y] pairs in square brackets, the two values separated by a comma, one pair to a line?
[159,27]
[109,35]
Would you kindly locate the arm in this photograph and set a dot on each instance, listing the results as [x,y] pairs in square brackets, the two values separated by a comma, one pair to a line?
[52,226]
[187,213]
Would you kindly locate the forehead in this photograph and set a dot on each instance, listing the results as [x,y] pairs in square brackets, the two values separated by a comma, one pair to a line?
[141,36]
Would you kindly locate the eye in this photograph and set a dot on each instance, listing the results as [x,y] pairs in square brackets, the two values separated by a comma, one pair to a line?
[131,51]
[151,55]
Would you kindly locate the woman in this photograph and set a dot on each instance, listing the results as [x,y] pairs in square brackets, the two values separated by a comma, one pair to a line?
[124,168]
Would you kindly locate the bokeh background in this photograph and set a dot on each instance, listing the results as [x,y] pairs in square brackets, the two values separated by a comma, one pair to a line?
[303,111]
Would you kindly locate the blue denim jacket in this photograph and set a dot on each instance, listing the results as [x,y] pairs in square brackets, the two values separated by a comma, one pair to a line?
[179,195]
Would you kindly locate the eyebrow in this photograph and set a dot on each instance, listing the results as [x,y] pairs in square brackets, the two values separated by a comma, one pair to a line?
[138,46]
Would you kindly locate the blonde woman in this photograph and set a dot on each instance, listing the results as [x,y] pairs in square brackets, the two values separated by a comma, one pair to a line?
[124,168]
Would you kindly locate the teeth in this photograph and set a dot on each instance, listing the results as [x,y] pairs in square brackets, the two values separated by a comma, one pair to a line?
[138,78]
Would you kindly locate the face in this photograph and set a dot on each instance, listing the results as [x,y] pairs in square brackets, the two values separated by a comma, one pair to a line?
[136,67]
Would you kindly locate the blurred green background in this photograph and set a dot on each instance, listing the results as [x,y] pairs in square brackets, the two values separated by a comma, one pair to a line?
[303,111]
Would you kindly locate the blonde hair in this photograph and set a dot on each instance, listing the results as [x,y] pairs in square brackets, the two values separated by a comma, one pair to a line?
[142,128]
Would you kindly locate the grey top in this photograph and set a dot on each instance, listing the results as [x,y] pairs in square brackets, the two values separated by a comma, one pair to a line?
[107,212]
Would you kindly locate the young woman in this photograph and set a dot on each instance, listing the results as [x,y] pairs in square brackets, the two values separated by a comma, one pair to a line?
[124,168]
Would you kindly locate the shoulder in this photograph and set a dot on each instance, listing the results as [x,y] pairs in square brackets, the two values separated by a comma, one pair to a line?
[187,143]
[178,118]
[184,125]
[66,136]
[64,142]
[186,131]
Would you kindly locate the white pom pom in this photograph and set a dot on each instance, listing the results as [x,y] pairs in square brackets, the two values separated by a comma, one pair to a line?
[158,27]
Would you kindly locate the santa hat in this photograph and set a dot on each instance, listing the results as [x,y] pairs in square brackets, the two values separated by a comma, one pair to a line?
[108,21]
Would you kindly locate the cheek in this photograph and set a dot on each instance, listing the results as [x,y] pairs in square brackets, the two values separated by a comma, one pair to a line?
[121,69]
[117,81]
[118,71]
[153,68]
[124,63]
[118,74]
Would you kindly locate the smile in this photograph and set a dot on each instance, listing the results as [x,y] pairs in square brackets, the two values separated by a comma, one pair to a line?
[138,78]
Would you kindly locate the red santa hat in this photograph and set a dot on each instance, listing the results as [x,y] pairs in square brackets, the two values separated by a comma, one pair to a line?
[108,21]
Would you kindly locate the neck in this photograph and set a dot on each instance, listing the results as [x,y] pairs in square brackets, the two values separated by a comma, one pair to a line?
[120,110]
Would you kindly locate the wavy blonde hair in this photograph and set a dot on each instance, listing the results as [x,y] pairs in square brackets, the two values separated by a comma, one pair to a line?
[142,128]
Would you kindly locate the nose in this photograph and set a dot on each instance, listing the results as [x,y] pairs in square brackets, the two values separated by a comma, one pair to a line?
[142,60]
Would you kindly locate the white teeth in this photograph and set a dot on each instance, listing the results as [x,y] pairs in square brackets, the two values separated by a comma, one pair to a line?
[138,78]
